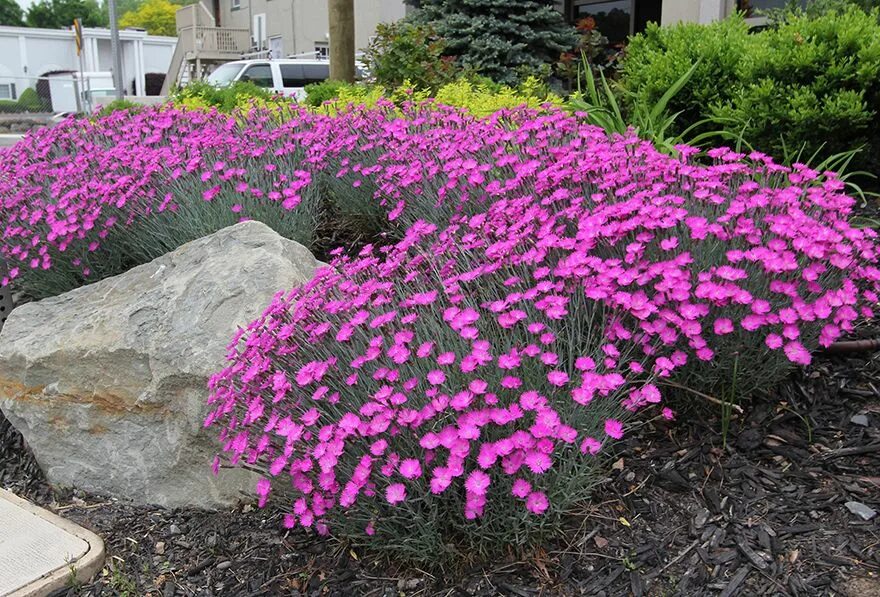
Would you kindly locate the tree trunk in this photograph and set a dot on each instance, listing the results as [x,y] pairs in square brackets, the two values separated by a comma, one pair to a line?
[342,40]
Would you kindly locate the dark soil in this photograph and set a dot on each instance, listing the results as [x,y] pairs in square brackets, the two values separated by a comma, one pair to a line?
[679,514]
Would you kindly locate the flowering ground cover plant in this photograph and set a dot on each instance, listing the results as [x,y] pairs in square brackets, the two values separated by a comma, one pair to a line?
[91,198]
[412,405]
[454,387]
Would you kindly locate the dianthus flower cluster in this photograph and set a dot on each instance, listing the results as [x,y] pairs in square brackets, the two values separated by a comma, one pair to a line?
[542,282]
[439,365]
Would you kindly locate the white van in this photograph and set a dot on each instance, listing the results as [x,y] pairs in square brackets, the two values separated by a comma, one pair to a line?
[287,77]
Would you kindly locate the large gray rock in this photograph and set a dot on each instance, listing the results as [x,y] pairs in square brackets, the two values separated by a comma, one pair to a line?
[107,383]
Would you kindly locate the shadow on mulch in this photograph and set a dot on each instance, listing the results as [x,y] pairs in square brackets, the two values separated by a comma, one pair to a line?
[766,514]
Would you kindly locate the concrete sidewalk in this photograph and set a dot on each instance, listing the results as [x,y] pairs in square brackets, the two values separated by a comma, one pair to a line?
[41,552]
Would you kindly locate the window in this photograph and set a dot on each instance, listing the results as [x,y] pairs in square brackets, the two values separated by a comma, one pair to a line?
[7,91]
[224,74]
[300,75]
[236,4]
[292,76]
[753,8]
[314,73]
[613,18]
[258,74]
[322,50]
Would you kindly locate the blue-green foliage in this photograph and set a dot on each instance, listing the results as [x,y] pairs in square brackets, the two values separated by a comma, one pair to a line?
[504,40]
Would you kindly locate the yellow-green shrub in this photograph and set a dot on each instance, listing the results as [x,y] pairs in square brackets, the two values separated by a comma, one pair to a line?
[483,98]
[480,98]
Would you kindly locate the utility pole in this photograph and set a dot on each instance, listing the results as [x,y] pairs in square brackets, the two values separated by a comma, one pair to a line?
[342,40]
[79,87]
[115,50]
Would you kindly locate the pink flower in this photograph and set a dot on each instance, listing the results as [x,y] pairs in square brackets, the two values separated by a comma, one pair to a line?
[440,481]
[436,377]
[478,386]
[508,361]
[477,482]
[521,488]
[211,193]
[796,353]
[584,364]
[538,462]
[537,502]
[410,468]
[650,393]
[590,445]
[395,493]
[829,334]
[511,382]
[667,244]
[263,486]
[549,358]
[557,378]
[614,428]
[447,358]
[773,341]
[723,326]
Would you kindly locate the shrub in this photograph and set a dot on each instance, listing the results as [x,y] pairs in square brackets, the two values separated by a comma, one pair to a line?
[120,104]
[347,95]
[28,101]
[31,102]
[478,95]
[318,93]
[200,94]
[660,56]
[403,51]
[485,98]
[810,85]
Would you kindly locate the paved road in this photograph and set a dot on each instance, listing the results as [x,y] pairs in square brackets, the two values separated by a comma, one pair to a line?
[9,140]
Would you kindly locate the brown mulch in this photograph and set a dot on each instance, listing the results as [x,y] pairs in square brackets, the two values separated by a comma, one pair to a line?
[679,514]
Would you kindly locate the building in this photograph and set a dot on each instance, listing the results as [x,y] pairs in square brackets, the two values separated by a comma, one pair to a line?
[217,31]
[617,19]
[211,32]
[297,27]
[28,54]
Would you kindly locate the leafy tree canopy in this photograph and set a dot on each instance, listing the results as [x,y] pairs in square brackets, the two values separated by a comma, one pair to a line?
[59,14]
[11,14]
[156,16]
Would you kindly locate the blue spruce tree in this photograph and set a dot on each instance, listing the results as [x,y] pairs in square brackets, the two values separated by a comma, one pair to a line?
[500,39]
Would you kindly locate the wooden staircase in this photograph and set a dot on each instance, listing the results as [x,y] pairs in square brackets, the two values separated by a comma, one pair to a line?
[201,46]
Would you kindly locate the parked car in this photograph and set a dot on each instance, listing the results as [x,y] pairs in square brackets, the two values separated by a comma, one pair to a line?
[288,77]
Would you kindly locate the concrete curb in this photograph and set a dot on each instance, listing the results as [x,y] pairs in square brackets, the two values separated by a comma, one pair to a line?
[83,567]
[8,140]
